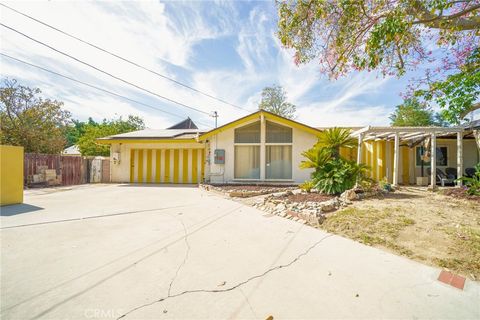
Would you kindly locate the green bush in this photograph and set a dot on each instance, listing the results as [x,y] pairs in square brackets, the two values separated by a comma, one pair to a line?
[337,175]
[307,186]
[473,183]
[332,173]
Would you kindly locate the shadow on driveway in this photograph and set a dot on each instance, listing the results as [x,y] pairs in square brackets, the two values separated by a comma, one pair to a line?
[15,209]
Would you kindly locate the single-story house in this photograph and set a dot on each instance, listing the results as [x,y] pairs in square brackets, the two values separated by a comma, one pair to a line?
[266,148]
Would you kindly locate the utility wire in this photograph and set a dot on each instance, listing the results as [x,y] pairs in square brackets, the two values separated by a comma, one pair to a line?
[102,71]
[97,88]
[123,59]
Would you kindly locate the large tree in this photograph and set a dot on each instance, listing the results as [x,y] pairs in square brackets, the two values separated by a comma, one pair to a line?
[76,129]
[413,113]
[274,99]
[92,130]
[391,35]
[28,120]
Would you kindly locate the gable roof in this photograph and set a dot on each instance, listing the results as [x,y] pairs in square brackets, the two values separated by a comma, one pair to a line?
[257,115]
[185,124]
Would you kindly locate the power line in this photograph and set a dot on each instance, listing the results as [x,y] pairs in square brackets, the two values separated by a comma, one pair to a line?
[122,58]
[97,88]
[103,71]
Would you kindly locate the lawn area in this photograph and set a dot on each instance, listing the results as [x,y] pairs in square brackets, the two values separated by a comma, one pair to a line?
[429,227]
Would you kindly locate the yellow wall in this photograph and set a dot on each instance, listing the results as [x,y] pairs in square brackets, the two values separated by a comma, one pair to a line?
[175,165]
[11,175]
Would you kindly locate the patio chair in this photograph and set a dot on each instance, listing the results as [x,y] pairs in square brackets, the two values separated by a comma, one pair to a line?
[441,177]
[451,172]
[469,172]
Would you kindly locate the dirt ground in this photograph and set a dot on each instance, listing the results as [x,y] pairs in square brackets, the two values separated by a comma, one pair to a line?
[433,228]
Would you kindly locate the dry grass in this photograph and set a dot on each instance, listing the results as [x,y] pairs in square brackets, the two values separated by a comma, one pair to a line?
[428,227]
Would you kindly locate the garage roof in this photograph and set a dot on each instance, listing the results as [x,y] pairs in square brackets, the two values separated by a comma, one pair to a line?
[155,134]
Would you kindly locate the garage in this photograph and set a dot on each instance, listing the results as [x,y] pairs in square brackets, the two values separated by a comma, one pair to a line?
[176,165]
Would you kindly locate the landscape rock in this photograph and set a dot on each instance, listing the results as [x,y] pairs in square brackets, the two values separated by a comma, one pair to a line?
[349,195]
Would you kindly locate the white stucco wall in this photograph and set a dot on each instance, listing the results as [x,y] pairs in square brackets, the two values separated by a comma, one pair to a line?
[301,141]
[120,172]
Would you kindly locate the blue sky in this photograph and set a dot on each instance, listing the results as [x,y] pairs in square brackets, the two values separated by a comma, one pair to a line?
[228,49]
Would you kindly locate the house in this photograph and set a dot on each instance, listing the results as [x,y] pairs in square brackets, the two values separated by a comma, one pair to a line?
[261,147]
[266,148]
[71,151]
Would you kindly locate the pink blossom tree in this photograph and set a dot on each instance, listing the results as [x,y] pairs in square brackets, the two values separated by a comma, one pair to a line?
[393,36]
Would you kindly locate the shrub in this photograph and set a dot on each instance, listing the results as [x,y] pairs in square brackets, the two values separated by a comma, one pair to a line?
[307,186]
[337,175]
[333,174]
[473,183]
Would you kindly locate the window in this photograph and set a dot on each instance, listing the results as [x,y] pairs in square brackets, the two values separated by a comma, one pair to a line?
[442,157]
[247,152]
[248,134]
[277,133]
[247,162]
[278,151]
[279,162]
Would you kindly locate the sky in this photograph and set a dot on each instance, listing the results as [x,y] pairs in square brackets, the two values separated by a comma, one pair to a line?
[226,49]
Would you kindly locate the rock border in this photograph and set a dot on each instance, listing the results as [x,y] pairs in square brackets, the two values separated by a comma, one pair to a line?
[310,212]
[235,193]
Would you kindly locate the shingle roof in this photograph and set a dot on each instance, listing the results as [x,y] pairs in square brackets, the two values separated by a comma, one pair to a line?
[185,124]
[156,134]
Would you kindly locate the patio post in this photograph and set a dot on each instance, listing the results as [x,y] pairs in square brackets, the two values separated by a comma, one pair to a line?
[459,157]
[396,156]
[433,161]
[359,148]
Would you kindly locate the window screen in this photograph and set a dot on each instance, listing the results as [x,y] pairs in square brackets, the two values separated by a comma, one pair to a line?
[278,134]
[248,134]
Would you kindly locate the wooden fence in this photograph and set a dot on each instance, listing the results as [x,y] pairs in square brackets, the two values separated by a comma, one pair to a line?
[53,170]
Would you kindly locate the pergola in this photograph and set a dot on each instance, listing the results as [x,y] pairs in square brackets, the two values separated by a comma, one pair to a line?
[398,134]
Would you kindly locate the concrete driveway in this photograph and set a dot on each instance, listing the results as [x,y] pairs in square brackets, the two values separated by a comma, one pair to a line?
[153,252]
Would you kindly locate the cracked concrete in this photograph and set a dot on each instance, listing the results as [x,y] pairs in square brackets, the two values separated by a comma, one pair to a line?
[187,250]
[149,262]
[238,285]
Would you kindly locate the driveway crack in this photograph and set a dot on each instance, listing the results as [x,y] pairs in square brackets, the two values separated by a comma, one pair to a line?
[260,275]
[187,251]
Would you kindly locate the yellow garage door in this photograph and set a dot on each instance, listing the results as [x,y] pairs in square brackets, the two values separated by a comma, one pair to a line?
[167,165]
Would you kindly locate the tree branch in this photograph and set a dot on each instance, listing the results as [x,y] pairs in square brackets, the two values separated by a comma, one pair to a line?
[474,107]
[454,20]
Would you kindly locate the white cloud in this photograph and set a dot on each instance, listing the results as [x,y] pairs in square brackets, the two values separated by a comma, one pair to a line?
[163,37]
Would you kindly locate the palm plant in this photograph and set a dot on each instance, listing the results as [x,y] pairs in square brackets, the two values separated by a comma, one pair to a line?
[335,138]
[332,173]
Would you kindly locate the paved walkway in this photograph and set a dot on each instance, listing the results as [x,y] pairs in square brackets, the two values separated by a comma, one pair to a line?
[154,252]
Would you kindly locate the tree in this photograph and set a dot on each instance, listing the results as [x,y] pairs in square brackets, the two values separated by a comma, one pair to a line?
[30,121]
[412,113]
[458,94]
[274,99]
[391,36]
[76,130]
[87,143]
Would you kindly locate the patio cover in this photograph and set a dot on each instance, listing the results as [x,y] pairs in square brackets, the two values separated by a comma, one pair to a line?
[408,134]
